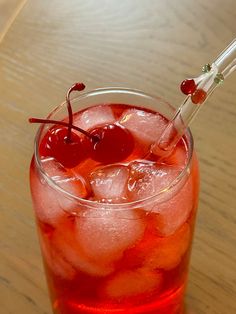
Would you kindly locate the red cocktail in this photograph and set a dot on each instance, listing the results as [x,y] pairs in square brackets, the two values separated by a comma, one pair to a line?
[116,226]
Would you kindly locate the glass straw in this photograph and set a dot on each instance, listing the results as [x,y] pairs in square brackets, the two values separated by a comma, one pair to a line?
[211,77]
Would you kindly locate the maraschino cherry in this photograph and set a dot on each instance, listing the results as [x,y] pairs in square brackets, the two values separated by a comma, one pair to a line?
[106,144]
[61,143]
[115,143]
[68,152]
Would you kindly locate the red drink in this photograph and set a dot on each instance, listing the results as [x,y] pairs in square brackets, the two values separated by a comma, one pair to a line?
[120,243]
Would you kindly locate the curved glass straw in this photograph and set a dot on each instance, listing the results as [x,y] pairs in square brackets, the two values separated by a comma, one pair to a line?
[214,74]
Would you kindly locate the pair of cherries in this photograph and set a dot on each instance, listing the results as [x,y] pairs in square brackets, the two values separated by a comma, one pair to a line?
[106,144]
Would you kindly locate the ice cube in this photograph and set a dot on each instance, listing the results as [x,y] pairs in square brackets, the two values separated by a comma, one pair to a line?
[178,157]
[146,127]
[72,247]
[148,178]
[93,117]
[109,184]
[175,209]
[105,234]
[49,202]
[70,250]
[55,260]
[167,252]
[132,283]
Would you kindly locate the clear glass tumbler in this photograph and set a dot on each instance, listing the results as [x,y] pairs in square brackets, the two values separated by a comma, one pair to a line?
[116,257]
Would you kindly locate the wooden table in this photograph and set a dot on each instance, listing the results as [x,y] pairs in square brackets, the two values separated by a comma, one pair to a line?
[150,45]
[9,9]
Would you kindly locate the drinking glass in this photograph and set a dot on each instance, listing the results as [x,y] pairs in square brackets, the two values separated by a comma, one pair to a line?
[129,257]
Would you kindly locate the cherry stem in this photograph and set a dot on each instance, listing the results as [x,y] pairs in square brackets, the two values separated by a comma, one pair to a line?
[75,87]
[49,121]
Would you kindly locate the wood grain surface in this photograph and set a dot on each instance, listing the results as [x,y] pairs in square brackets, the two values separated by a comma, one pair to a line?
[147,44]
[9,10]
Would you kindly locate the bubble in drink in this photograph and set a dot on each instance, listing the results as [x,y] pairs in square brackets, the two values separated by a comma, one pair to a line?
[109,184]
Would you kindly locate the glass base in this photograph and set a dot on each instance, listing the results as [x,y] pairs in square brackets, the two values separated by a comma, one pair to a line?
[171,304]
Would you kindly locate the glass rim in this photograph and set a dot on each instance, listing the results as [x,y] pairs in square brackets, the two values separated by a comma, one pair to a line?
[95,204]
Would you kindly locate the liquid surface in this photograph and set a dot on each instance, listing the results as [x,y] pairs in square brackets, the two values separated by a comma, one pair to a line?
[117,261]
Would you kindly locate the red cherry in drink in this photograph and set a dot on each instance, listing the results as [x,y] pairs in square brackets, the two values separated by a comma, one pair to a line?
[188,86]
[67,152]
[107,144]
[114,143]
[61,143]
